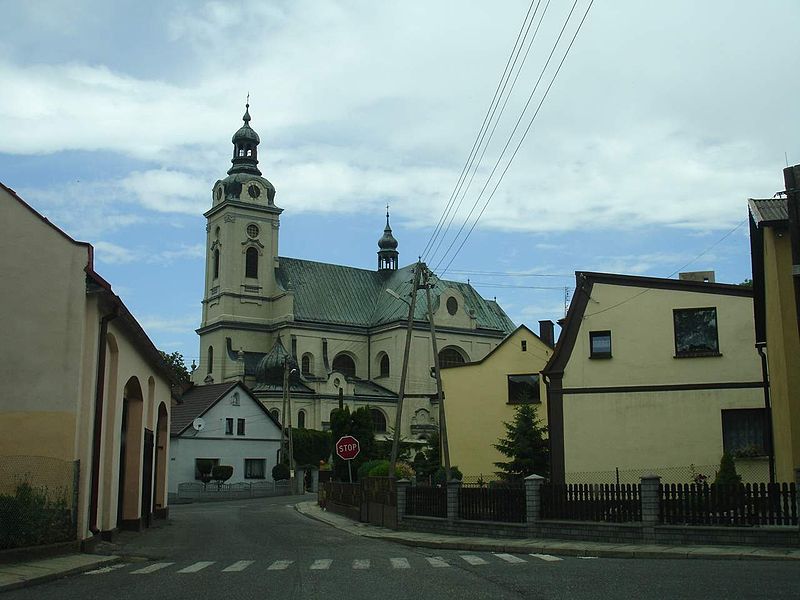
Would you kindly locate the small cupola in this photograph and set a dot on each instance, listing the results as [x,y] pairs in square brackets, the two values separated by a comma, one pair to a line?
[270,367]
[387,248]
[245,147]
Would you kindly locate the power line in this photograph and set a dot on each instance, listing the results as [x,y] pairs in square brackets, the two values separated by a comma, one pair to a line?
[510,274]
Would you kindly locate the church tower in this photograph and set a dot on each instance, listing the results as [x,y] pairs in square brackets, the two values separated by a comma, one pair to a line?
[241,254]
[387,249]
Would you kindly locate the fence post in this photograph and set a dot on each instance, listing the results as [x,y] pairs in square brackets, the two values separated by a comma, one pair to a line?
[533,498]
[453,486]
[76,481]
[650,498]
[797,491]
[401,488]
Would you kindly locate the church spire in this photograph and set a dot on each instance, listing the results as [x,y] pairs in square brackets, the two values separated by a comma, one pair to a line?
[245,146]
[387,248]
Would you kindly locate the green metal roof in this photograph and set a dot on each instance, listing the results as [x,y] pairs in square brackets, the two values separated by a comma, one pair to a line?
[335,294]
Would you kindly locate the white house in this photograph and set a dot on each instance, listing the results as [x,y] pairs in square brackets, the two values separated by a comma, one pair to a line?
[225,423]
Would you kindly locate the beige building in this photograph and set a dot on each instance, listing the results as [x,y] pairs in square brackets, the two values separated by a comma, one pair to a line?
[776,320]
[481,395]
[655,375]
[342,328]
[85,398]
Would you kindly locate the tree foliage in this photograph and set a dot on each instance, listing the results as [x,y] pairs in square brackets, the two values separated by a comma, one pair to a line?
[428,460]
[310,446]
[525,445]
[176,365]
[359,425]
[727,474]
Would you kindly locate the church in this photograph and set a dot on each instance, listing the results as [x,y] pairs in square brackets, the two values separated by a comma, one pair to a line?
[343,329]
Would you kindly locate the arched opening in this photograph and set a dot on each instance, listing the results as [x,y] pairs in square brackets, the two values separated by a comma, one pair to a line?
[276,414]
[307,364]
[378,420]
[249,153]
[106,520]
[451,356]
[130,456]
[216,262]
[301,419]
[345,364]
[251,263]
[210,364]
[384,365]
[162,439]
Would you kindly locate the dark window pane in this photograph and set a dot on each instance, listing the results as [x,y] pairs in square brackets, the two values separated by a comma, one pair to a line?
[523,389]
[450,357]
[600,344]
[743,431]
[385,365]
[696,331]
[240,427]
[254,468]
[378,420]
[228,426]
[251,263]
[345,365]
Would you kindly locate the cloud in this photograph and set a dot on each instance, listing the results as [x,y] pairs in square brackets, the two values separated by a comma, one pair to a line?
[106,252]
[168,191]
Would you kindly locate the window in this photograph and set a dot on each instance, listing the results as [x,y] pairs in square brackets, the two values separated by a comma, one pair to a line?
[696,332]
[305,364]
[523,389]
[450,357]
[239,426]
[204,465]
[743,432]
[216,262]
[255,468]
[524,345]
[252,230]
[452,305]
[345,365]
[228,426]
[301,419]
[276,414]
[384,365]
[251,263]
[210,359]
[378,420]
[599,344]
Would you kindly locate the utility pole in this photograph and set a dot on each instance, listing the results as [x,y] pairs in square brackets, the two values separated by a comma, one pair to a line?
[442,419]
[283,411]
[404,371]
[286,379]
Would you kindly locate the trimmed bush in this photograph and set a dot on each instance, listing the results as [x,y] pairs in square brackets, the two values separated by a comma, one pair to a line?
[402,470]
[727,474]
[280,472]
[204,467]
[221,473]
[455,473]
[366,468]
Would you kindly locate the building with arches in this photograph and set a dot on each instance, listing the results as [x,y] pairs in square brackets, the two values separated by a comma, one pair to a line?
[341,329]
[86,396]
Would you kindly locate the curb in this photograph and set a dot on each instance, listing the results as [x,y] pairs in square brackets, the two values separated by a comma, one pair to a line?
[31,581]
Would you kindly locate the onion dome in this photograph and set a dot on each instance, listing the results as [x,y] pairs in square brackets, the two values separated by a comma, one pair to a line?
[245,148]
[387,248]
[270,368]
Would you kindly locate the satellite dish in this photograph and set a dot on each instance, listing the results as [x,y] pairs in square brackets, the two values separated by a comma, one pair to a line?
[199,424]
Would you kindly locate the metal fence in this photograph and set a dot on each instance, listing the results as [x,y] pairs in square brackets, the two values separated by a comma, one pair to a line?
[426,501]
[194,491]
[592,502]
[751,470]
[38,501]
[347,494]
[735,504]
[493,502]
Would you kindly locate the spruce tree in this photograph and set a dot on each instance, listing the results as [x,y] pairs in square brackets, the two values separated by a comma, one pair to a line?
[525,445]
[727,474]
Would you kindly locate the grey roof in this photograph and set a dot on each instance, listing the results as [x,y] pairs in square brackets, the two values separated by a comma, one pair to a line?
[195,402]
[335,294]
[769,210]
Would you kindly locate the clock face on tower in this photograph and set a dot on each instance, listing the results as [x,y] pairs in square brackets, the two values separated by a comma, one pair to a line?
[218,193]
[254,191]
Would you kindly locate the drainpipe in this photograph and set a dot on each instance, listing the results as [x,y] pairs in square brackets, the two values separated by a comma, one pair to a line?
[98,417]
[767,410]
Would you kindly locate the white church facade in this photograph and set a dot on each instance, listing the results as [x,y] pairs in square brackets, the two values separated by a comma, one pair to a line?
[339,325]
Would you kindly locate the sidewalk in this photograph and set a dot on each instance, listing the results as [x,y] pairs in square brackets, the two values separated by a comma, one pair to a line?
[29,572]
[543,546]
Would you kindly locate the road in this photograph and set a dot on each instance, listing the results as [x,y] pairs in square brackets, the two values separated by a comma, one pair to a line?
[260,549]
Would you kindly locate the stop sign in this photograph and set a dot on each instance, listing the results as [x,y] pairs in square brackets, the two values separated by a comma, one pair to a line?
[347,448]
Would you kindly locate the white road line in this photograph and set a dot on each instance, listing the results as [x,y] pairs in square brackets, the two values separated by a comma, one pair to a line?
[239,565]
[510,558]
[474,560]
[107,569]
[587,557]
[437,561]
[198,566]
[547,557]
[321,565]
[361,563]
[400,563]
[151,568]
[279,565]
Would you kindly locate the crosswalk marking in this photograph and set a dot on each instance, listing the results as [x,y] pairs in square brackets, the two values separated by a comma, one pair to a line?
[151,568]
[239,565]
[108,569]
[437,561]
[198,566]
[474,560]
[510,558]
[279,565]
[321,564]
[547,557]
[400,563]
[361,563]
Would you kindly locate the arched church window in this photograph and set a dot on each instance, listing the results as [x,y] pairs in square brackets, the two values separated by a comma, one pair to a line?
[301,419]
[384,370]
[276,414]
[241,151]
[216,263]
[210,364]
[450,357]
[345,365]
[249,153]
[378,420]
[306,364]
[251,263]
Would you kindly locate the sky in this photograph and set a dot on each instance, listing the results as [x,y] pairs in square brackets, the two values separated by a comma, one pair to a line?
[640,153]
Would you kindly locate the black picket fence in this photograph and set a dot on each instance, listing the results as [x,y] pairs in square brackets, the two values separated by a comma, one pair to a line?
[504,503]
[734,504]
[347,494]
[592,502]
[426,501]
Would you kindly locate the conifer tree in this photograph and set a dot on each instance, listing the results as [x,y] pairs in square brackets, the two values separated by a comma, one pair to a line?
[525,445]
[727,474]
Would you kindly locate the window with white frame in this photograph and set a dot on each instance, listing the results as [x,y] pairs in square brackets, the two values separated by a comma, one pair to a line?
[255,468]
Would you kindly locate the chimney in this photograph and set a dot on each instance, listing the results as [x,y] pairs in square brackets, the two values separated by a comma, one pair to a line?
[546,329]
[704,276]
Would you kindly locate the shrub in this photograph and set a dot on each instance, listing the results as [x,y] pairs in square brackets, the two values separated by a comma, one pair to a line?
[32,517]
[366,468]
[280,472]
[221,473]
[455,473]
[727,474]
[402,470]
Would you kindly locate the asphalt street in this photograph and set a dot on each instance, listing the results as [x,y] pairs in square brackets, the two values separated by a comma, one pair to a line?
[263,548]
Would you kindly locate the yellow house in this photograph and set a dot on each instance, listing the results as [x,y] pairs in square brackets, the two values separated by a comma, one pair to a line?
[480,396]
[776,324]
[655,374]
[84,395]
